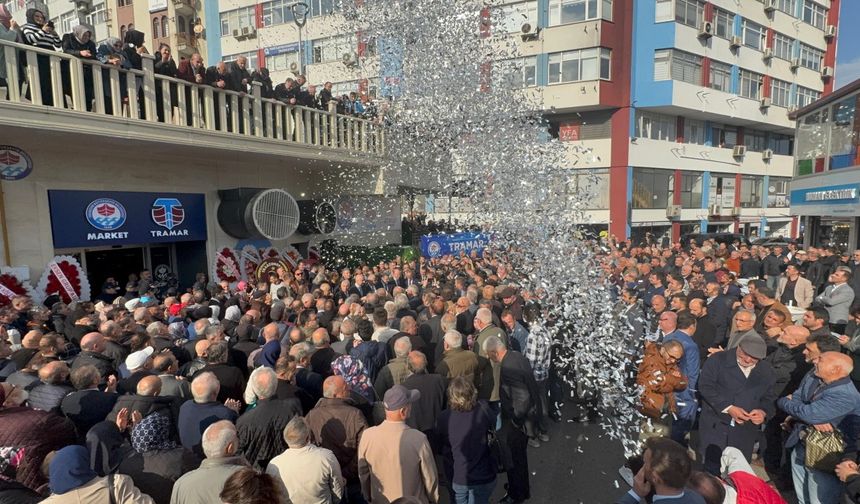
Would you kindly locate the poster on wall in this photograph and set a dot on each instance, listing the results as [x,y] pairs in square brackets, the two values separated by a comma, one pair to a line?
[15,164]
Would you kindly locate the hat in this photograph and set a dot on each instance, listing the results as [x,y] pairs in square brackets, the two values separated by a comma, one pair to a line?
[753,346]
[399,396]
[138,359]
[507,292]
[132,304]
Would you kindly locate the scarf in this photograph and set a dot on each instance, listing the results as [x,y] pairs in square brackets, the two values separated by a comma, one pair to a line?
[152,433]
[5,17]
[79,31]
[31,16]
[233,314]
[352,372]
[70,469]
[110,42]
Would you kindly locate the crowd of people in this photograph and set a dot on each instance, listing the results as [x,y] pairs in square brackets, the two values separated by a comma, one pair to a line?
[748,356]
[309,386]
[127,54]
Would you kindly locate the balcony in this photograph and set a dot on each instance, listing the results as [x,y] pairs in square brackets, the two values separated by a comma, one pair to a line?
[185,6]
[59,92]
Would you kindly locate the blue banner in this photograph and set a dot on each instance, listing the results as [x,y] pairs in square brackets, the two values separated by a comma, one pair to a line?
[826,195]
[99,218]
[453,244]
[390,53]
[281,49]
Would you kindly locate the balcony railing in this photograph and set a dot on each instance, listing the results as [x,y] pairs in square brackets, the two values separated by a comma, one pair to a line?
[61,81]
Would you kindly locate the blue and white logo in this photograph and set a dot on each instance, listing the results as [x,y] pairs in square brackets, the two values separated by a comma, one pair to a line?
[106,214]
[434,248]
[168,212]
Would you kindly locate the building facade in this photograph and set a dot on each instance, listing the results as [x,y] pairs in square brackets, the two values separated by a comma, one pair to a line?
[825,191]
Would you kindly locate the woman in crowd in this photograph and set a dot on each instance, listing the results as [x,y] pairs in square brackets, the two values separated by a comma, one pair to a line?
[72,481]
[39,32]
[79,43]
[352,371]
[466,457]
[111,53]
[9,33]
[247,486]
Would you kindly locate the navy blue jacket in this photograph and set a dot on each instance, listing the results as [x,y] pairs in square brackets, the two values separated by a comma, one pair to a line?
[689,365]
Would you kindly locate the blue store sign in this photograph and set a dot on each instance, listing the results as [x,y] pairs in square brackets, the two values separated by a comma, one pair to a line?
[281,49]
[826,195]
[98,218]
[453,244]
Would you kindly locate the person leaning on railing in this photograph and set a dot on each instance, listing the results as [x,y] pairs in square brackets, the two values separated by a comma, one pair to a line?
[79,44]
[164,65]
[8,32]
[39,32]
[111,53]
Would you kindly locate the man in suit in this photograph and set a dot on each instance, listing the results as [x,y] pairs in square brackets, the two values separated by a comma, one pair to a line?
[706,334]
[837,298]
[793,289]
[737,389]
[719,308]
[88,405]
[166,366]
[666,471]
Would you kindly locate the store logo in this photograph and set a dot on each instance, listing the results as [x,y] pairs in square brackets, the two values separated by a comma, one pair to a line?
[434,249]
[106,214]
[168,212]
[15,164]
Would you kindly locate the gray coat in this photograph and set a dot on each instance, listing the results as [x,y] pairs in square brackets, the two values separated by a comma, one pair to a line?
[202,485]
[172,386]
[837,299]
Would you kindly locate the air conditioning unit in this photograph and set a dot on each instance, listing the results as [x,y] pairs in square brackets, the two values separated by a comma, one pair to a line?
[829,31]
[767,154]
[764,103]
[767,53]
[795,63]
[237,33]
[529,31]
[739,151]
[249,31]
[769,6]
[294,68]
[706,29]
[826,72]
[714,210]
[736,41]
[349,59]
[673,212]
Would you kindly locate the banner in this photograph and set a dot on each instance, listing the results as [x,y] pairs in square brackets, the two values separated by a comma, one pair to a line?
[453,244]
[390,53]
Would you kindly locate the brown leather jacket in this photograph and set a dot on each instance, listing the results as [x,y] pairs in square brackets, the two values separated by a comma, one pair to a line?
[659,381]
[337,425]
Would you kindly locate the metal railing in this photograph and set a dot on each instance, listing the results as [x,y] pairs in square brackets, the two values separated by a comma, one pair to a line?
[62,81]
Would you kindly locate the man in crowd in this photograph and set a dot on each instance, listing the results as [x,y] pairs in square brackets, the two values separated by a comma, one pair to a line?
[220,444]
[837,298]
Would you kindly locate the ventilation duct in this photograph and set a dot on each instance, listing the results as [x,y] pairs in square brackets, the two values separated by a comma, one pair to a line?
[249,212]
[317,217]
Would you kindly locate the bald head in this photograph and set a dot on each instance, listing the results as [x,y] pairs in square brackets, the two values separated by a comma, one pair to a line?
[93,342]
[794,336]
[31,339]
[55,372]
[201,348]
[335,387]
[832,366]
[320,338]
[270,332]
[220,440]
[149,386]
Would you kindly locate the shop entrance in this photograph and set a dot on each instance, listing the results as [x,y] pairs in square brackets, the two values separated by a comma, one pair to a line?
[118,263]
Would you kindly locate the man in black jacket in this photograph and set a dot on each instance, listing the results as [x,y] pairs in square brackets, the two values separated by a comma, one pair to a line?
[238,77]
[432,401]
[231,378]
[517,392]
[325,97]
[771,268]
[92,348]
[750,266]
[260,429]
[88,405]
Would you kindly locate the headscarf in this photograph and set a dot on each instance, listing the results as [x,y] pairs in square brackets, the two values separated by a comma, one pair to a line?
[352,371]
[31,16]
[70,469]
[233,313]
[134,37]
[104,443]
[152,433]
[269,353]
[79,32]
[177,330]
[5,16]
[111,42]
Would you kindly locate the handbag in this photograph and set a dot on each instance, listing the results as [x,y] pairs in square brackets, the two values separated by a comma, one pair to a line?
[823,449]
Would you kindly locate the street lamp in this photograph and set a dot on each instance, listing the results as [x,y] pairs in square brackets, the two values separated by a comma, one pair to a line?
[300,12]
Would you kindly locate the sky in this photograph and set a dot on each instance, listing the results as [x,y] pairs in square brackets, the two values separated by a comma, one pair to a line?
[848,44]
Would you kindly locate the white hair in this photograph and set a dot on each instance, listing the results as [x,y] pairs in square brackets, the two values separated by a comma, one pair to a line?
[217,437]
[264,382]
[402,346]
[493,343]
[484,315]
[205,387]
[454,339]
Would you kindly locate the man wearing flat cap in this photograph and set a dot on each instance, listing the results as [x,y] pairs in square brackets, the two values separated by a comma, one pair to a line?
[395,460]
[737,397]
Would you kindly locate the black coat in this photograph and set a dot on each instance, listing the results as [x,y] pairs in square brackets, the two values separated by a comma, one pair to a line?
[720,314]
[750,268]
[235,76]
[789,366]
[154,472]
[231,379]
[722,384]
[261,430]
[432,401]
[518,390]
[706,337]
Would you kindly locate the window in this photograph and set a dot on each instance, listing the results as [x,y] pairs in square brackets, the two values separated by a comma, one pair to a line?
[805,96]
[721,77]
[691,190]
[783,46]
[67,21]
[181,26]
[510,18]
[321,7]
[686,67]
[651,188]
[725,136]
[663,11]
[165,31]
[122,30]
[156,27]
[515,73]
[588,190]
[755,140]
[723,23]
[787,6]
[236,20]
[573,66]
[661,65]
[252,56]
[751,191]
[781,144]
[780,93]
[277,12]
[571,11]
[689,12]
[98,15]
[333,48]
[754,35]
[281,62]
[814,14]
[694,131]
[655,126]
[811,57]
[778,191]
[124,3]
[750,84]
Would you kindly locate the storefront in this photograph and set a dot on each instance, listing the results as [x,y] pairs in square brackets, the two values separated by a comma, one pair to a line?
[114,234]
[830,206]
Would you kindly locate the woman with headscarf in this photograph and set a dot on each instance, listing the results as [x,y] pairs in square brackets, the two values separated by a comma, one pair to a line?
[79,43]
[157,461]
[39,32]
[134,47]
[110,53]
[9,33]
[73,481]
[352,371]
